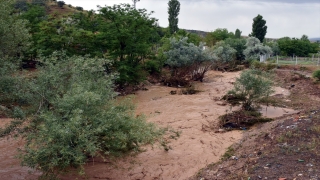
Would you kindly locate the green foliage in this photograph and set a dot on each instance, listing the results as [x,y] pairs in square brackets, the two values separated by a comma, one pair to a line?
[73,115]
[298,47]
[187,59]
[253,85]
[21,5]
[239,45]
[218,35]
[316,74]
[274,47]
[237,34]
[173,11]
[130,34]
[192,37]
[224,55]
[262,66]
[255,49]
[153,66]
[14,36]
[259,28]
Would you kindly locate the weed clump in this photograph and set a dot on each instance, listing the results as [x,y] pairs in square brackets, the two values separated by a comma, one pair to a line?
[316,74]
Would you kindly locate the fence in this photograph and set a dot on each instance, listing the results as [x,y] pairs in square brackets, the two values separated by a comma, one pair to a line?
[294,60]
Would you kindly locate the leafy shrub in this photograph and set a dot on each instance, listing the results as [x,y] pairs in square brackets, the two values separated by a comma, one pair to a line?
[316,74]
[186,59]
[152,66]
[262,66]
[73,115]
[255,49]
[224,56]
[253,85]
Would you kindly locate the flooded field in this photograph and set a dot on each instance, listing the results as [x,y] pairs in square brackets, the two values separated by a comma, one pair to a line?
[186,114]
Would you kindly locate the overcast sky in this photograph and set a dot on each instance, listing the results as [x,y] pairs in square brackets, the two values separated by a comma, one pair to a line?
[291,18]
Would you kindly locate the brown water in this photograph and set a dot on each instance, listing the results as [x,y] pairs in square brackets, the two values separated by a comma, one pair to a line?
[193,150]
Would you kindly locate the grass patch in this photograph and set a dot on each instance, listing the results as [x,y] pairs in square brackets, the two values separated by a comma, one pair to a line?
[228,154]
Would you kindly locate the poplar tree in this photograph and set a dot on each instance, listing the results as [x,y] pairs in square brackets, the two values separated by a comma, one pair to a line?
[238,34]
[173,11]
[259,28]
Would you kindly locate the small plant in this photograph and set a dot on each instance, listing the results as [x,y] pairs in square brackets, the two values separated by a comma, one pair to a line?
[316,74]
[253,85]
[229,153]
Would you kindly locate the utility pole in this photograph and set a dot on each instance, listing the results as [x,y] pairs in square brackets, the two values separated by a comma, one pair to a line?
[134,3]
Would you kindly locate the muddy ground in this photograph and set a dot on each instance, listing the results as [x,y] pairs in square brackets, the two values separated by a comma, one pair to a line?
[287,148]
[189,115]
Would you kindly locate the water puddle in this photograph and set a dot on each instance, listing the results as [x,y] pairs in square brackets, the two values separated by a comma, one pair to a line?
[274,112]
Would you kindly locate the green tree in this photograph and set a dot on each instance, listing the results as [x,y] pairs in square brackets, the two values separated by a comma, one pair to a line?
[239,45]
[129,34]
[259,28]
[14,36]
[298,47]
[252,86]
[173,11]
[218,35]
[237,34]
[304,38]
[274,47]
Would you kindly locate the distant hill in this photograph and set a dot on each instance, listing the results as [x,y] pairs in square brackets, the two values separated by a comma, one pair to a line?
[315,39]
[200,33]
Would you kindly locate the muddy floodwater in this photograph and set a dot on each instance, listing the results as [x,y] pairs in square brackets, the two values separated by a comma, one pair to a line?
[187,114]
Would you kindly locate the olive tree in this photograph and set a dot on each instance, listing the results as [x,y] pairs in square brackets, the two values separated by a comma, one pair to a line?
[187,60]
[255,49]
[224,55]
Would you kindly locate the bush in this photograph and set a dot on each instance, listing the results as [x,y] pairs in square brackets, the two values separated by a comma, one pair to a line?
[61,3]
[73,115]
[316,74]
[152,66]
[253,85]
[79,8]
[262,66]
[187,60]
